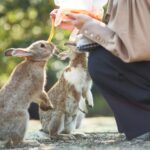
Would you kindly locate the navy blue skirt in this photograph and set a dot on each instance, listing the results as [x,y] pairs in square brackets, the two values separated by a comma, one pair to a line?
[126,88]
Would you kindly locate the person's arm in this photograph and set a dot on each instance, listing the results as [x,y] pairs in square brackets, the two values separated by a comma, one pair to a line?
[127,35]
[121,46]
[101,34]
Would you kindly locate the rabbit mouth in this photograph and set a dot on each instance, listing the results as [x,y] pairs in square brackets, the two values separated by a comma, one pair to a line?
[52,46]
[54,49]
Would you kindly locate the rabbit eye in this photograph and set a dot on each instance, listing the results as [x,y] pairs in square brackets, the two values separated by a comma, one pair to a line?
[42,45]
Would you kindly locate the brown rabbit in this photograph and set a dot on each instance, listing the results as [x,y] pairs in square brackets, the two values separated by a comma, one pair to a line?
[68,96]
[25,85]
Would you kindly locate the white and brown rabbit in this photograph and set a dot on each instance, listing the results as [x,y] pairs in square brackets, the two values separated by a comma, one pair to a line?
[25,85]
[68,96]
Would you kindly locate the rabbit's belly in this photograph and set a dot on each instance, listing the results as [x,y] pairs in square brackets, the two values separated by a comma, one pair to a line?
[76,77]
[69,123]
[80,117]
[71,105]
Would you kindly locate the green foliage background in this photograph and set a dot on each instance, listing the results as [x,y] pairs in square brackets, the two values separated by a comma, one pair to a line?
[25,21]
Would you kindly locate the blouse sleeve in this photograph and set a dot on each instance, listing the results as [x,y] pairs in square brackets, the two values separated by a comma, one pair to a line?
[127,34]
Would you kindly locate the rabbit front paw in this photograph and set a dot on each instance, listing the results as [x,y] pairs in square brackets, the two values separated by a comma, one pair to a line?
[45,103]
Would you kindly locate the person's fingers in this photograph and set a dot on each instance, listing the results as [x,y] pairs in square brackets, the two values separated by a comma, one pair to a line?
[53,12]
[71,15]
[70,21]
[66,26]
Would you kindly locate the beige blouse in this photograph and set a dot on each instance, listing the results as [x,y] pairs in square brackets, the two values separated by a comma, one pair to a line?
[127,34]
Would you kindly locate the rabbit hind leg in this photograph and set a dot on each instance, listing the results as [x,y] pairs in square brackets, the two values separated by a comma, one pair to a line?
[66,133]
[56,124]
[19,128]
[14,140]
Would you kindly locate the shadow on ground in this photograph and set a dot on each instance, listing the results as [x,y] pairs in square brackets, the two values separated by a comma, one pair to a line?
[100,134]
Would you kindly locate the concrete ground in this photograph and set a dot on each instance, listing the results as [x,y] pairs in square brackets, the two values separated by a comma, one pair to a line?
[100,133]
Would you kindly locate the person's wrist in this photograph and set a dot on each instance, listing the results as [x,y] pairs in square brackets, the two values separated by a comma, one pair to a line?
[84,22]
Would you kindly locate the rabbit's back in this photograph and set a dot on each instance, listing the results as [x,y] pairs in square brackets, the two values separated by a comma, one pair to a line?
[25,81]
[57,96]
[57,93]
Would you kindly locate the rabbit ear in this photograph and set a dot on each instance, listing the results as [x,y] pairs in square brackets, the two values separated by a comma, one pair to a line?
[19,52]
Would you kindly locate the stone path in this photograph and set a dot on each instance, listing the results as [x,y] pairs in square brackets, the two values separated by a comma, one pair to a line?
[100,134]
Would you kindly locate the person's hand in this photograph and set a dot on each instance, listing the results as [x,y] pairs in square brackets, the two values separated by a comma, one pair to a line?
[53,13]
[77,20]
[63,24]
[72,20]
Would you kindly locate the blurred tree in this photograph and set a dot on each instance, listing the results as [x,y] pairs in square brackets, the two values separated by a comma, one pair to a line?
[25,21]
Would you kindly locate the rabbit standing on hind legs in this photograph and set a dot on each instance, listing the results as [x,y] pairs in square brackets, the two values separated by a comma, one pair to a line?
[68,96]
[25,85]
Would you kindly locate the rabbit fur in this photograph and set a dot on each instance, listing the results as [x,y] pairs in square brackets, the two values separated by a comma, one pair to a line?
[68,96]
[25,85]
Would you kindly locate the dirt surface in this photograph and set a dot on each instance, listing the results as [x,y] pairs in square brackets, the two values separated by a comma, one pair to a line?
[95,134]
